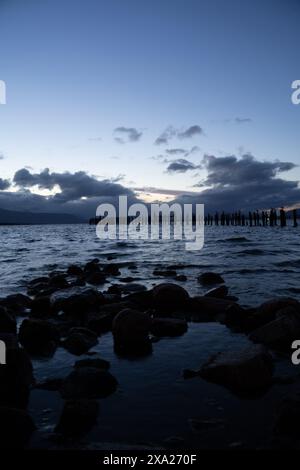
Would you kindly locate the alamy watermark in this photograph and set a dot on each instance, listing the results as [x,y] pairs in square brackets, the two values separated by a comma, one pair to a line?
[151,222]
[2,92]
[2,353]
[296,93]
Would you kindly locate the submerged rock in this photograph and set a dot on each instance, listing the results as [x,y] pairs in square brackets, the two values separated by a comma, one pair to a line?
[80,340]
[78,417]
[8,322]
[219,292]
[74,270]
[39,337]
[88,382]
[210,278]
[131,332]
[77,301]
[206,309]
[17,428]
[168,327]
[245,372]
[96,362]
[169,297]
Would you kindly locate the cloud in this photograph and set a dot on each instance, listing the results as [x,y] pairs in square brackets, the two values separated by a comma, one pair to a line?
[239,120]
[1,156]
[245,183]
[170,132]
[176,151]
[181,165]
[4,184]
[127,134]
[190,132]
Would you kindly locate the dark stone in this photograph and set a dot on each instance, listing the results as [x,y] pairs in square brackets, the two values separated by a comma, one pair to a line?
[96,278]
[77,301]
[80,340]
[39,337]
[218,292]
[78,417]
[288,417]
[164,273]
[17,428]
[111,269]
[205,309]
[8,323]
[40,307]
[52,385]
[92,267]
[16,378]
[96,362]
[181,278]
[131,333]
[210,278]
[17,303]
[246,372]
[169,297]
[58,281]
[74,270]
[99,322]
[88,382]
[168,327]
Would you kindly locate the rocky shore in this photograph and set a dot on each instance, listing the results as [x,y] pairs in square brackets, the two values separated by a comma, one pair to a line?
[71,309]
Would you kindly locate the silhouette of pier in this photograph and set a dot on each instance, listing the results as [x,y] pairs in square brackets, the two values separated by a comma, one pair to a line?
[263,218]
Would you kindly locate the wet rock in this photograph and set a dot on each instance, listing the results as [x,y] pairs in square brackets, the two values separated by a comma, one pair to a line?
[17,428]
[38,280]
[114,289]
[77,301]
[52,385]
[88,382]
[39,337]
[168,327]
[127,279]
[17,303]
[210,278]
[181,278]
[281,332]
[80,340]
[92,267]
[8,323]
[133,287]
[74,270]
[16,378]
[205,309]
[99,322]
[164,273]
[131,332]
[268,310]
[112,269]
[288,417]
[40,307]
[169,297]
[78,417]
[218,293]
[140,300]
[96,362]
[58,281]
[96,278]
[246,372]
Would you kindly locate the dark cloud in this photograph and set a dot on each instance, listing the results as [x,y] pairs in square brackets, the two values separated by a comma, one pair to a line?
[176,151]
[4,184]
[190,132]
[127,134]
[239,120]
[170,132]
[245,184]
[181,165]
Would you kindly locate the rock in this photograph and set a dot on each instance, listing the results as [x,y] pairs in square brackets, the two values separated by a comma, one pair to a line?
[111,269]
[131,332]
[74,270]
[77,301]
[99,322]
[140,300]
[88,382]
[39,337]
[168,327]
[17,303]
[114,289]
[164,273]
[40,307]
[206,309]
[133,287]
[16,378]
[96,278]
[218,293]
[245,372]
[210,278]
[8,323]
[97,362]
[268,310]
[236,318]
[58,281]
[181,278]
[281,332]
[168,298]
[288,417]
[80,340]
[78,417]
[52,385]
[17,427]
[92,267]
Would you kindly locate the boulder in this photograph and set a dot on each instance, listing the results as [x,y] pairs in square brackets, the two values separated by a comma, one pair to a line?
[267,311]
[164,273]
[74,270]
[16,378]
[16,303]
[218,292]
[40,307]
[111,269]
[281,332]
[39,337]
[77,301]
[131,332]
[96,362]
[8,322]
[88,382]
[17,427]
[246,372]
[58,281]
[80,340]
[210,278]
[92,267]
[78,417]
[168,298]
[95,278]
[206,309]
[168,327]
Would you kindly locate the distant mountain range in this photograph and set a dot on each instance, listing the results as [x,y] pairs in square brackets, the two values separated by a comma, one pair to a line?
[23,218]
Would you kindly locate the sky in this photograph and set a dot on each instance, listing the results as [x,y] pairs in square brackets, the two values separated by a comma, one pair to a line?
[157,99]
